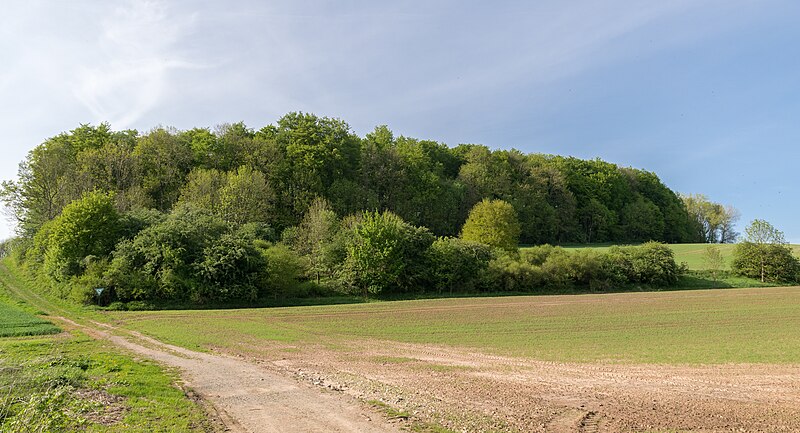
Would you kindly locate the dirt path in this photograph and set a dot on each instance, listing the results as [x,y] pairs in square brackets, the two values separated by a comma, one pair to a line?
[249,397]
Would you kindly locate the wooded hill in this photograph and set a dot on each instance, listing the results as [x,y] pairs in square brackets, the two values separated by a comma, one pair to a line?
[272,175]
[306,207]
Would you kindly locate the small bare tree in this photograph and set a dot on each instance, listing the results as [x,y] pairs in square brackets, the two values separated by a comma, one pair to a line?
[714,260]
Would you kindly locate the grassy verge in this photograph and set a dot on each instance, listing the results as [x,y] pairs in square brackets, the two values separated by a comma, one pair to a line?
[71,382]
[75,383]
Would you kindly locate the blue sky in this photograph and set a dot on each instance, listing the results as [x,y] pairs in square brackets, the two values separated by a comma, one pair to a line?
[704,93]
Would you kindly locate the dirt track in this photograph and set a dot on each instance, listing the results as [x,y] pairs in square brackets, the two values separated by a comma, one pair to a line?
[267,387]
[317,389]
[248,397]
[478,392]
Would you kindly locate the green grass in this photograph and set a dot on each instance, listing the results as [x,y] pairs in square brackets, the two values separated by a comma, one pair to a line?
[15,322]
[17,319]
[691,254]
[700,326]
[76,383]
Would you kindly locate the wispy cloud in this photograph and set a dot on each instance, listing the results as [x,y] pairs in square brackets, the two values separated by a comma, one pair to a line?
[136,55]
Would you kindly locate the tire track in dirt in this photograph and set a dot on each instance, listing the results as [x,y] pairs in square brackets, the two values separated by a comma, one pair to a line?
[519,394]
[246,397]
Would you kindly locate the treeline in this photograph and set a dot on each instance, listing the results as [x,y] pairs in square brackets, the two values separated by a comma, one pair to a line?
[272,175]
[306,207]
[191,254]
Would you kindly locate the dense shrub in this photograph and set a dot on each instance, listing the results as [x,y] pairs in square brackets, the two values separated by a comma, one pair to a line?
[547,268]
[190,255]
[774,262]
[285,271]
[457,265]
[509,274]
[654,264]
[384,254]
[86,227]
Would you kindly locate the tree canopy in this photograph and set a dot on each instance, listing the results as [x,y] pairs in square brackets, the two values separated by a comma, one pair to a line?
[305,204]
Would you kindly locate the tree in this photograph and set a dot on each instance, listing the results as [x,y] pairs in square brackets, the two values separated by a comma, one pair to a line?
[642,221]
[494,223]
[314,233]
[765,255]
[246,197]
[385,254]
[87,227]
[714,221]
[713,259]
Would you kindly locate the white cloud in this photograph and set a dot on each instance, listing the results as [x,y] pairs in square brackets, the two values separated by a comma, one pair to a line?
[136,55]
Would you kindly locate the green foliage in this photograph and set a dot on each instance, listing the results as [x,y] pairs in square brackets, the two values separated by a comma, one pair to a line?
[642,221]
[312,179]
[457,265]
[384,253]
[770,262]
[713,260]
[765,255]
[190,255]
[494,223]
[285,271]
[712,222]
[313,237]
[548,269]
[86,227]
[241,196]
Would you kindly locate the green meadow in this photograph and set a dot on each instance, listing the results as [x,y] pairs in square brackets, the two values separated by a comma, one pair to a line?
[691,254]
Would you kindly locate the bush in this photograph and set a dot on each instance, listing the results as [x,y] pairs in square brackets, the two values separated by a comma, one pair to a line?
[86,227]
[509,274]
[285,271]
[579,268]
[654,264]
[539,254]
[190,255]
[384,254]
[776,261]
[456,264]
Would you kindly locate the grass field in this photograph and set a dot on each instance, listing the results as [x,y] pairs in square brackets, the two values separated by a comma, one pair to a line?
[702,326]
[15,321]
[692,254]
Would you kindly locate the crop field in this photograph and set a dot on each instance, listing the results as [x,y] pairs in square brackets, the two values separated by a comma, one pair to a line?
[691,254]
[722,326]
[15,322]
[708,360]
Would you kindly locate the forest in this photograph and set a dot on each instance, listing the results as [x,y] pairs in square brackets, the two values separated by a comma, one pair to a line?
[305,205]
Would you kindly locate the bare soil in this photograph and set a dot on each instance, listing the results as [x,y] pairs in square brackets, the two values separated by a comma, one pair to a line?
[328,387]
[475,392]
